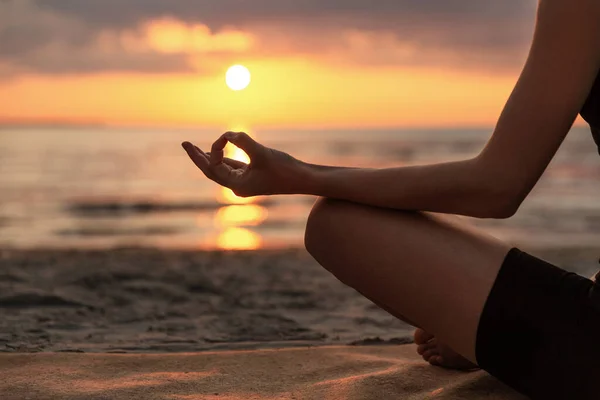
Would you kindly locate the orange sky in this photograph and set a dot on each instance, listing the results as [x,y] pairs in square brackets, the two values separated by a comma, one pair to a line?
[344,86]
[283,93]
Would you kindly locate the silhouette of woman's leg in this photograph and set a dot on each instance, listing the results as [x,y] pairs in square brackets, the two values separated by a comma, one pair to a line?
[432,269]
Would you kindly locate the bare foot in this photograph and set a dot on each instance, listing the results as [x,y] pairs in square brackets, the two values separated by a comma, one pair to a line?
[439,354]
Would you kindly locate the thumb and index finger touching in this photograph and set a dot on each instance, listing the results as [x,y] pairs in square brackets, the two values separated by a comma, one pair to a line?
[207,163]
[239,139]
[243,141]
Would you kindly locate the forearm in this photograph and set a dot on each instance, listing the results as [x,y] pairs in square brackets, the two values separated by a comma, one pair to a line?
[452,188]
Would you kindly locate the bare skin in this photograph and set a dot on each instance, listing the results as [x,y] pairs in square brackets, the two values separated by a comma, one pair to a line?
[390,233]
[440,354]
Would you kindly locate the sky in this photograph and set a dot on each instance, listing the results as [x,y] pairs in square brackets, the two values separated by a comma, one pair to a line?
[314,63]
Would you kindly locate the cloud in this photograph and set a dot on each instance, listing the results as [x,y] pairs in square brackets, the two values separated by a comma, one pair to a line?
[119,13]
[75,36]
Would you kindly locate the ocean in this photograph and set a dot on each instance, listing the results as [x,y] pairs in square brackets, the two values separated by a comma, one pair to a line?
[107,187]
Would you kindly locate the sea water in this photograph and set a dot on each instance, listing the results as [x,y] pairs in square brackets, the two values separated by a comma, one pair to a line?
[104,187]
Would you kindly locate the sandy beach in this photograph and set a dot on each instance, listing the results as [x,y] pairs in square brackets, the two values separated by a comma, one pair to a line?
[269,324]
[144,300]
[332,373]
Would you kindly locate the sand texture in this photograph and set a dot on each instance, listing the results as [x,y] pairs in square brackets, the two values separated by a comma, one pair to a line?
[227,325]
[320,373]
[144,300]
[141,300]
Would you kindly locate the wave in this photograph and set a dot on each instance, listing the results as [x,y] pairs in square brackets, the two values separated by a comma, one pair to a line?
[113,208]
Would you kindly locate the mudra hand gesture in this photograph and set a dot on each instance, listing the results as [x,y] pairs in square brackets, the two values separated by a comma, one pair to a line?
[269,171]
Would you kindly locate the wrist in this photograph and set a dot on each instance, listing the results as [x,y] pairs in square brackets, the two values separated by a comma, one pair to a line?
[306,179]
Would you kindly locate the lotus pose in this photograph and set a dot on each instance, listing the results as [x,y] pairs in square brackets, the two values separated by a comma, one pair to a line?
[393,234]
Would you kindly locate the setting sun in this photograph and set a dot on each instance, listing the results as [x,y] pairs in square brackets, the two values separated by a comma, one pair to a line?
[238,77]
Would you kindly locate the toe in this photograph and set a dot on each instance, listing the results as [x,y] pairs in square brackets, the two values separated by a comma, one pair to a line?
[438,361]
[422,348]
[430,353]
[422,337]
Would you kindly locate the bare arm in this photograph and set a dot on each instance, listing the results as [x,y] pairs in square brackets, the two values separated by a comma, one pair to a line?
[562,65]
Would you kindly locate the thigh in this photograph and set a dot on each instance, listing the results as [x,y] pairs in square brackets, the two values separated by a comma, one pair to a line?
[436,270]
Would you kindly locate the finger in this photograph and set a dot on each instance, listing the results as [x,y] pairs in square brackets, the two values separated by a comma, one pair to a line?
[202,152]
[207,155]
[230,161]
[198,157]
[221,173]
[244,142]
[234,163]
[217,150]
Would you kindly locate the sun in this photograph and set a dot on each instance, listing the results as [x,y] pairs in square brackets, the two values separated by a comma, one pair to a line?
[238,77]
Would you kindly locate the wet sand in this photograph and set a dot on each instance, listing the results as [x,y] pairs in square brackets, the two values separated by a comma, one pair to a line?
[145,300]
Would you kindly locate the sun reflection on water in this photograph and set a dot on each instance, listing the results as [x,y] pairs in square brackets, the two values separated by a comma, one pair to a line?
[226,196]
[237,213]
[238,239]
[241,215]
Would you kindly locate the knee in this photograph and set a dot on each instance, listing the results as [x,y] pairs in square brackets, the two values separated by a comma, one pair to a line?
[320,225]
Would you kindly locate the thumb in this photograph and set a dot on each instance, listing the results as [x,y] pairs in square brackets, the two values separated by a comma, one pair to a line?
[244,142]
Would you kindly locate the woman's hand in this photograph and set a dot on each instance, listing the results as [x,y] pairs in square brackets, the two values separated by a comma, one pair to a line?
[269,172]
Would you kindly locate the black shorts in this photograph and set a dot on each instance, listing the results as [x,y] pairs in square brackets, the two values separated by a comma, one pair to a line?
[540,330]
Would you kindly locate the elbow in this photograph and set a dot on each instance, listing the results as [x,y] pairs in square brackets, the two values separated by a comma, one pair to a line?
[493,206]
[502,193]
[504,203]
[499,201]
[505,208]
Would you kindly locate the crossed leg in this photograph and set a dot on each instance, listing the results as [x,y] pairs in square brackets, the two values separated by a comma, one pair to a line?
[433,271]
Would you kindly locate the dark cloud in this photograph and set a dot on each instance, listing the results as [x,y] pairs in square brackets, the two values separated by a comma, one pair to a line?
[492,32]
[118,13]
[50,42]
[84,62]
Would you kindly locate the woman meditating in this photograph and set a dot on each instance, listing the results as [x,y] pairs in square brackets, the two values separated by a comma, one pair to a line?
[393,234]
